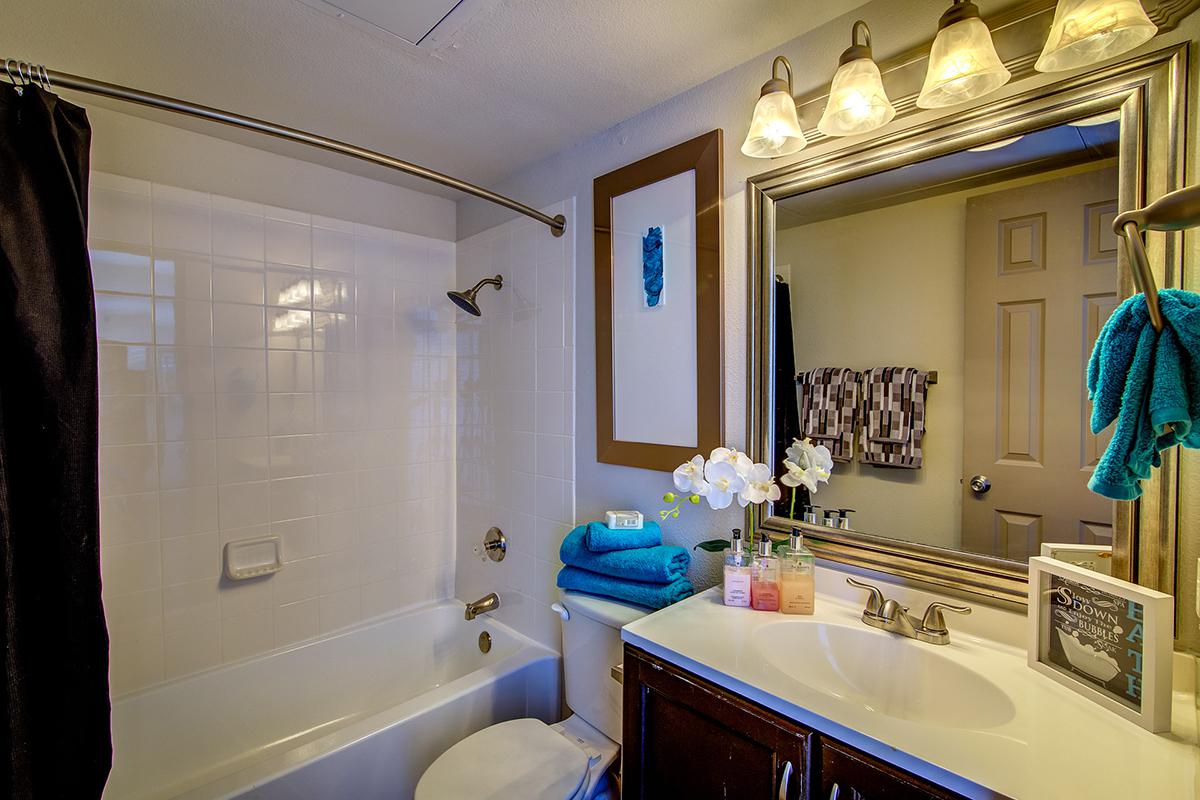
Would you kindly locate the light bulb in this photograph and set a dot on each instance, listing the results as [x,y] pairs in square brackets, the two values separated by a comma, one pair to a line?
[963,63]
[1089,31]
[857,100]
[775,127]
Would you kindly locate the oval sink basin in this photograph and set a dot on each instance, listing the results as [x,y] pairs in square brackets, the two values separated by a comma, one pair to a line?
[884,673]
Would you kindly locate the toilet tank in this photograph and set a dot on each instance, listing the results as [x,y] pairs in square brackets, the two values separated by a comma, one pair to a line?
[591,648]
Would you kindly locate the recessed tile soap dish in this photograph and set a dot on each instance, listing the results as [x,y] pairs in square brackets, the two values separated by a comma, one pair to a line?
[253,558]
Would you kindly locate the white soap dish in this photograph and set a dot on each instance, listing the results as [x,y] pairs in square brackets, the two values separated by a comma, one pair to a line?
[253,558]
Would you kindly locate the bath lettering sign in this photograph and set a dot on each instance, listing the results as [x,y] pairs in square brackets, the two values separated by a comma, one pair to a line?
[1104,638]
[1098,637]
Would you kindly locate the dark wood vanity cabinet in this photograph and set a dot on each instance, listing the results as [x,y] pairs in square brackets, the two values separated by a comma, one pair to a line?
[686,737]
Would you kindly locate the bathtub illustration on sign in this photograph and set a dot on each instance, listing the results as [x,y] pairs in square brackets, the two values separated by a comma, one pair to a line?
[653,277]
[1087,659]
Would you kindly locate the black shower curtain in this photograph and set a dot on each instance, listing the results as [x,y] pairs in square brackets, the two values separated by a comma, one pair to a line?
[55,641]
[787,409]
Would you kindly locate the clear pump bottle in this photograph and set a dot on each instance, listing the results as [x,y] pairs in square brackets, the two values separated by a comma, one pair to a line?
[737,573]
[797,566]
[764,578]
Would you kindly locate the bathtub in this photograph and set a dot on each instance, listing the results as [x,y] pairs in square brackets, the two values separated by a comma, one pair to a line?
[360,714]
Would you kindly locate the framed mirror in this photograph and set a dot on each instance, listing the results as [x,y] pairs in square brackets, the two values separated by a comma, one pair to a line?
[924,305]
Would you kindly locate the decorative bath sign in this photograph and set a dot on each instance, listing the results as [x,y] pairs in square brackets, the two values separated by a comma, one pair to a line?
[652,268]
[1105,638]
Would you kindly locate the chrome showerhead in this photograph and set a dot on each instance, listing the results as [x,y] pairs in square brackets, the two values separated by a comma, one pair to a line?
[466,300]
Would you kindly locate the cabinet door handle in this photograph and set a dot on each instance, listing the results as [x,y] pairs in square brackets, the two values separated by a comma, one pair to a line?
[783,782]
[833,793]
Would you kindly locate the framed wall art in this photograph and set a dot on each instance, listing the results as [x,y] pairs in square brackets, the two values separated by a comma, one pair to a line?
[1105,638]
[659,320]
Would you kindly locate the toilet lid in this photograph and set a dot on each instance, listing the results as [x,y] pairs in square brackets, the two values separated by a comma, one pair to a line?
[519,758]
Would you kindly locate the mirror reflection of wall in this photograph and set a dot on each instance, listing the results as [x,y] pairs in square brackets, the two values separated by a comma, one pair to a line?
[994,268]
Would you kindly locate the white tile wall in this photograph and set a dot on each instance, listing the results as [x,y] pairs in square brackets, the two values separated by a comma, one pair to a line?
[264,371]
[516,445]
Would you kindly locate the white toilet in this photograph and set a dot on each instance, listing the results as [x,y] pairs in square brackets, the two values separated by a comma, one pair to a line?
[529,759]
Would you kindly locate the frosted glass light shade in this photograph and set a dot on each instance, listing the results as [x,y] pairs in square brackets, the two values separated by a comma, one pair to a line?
[963,65]
[1087,31]
[857,101]
[775,128]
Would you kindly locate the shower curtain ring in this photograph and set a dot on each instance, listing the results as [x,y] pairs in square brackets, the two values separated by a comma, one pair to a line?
[45,77]
[8,68]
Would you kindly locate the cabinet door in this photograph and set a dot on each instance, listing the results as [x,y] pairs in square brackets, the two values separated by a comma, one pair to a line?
[686,737]
[847,774]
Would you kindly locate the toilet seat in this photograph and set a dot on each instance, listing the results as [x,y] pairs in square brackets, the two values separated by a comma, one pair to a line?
[520,758]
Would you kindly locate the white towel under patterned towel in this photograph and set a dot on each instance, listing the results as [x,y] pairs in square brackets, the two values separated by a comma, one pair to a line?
[893,417]
[829,408]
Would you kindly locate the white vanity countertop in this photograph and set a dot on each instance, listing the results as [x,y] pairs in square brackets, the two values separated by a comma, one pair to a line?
[1056,744]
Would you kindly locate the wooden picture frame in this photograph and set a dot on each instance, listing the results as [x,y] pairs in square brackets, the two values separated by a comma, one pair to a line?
[700,157]
[1107,639]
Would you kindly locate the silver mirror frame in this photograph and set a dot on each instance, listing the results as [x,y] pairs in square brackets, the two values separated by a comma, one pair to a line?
[1150,91]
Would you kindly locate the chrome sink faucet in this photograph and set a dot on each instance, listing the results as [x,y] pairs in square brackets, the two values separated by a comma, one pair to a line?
[489,602]
[889,615]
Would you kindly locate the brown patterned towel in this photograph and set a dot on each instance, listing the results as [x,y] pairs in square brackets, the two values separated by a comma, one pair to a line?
[829,408]
[893,417]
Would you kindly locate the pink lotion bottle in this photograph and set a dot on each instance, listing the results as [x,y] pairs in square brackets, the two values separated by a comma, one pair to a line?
[764,578]
[737,573]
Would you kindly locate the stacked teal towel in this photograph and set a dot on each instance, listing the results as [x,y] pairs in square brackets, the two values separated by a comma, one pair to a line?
[661,564]
[651,595]
[1149,383]
[633,566]
[599,538]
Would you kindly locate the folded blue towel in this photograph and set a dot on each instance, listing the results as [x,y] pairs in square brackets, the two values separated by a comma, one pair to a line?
[1149,383]
[661,564]
[651,595]
[600,539]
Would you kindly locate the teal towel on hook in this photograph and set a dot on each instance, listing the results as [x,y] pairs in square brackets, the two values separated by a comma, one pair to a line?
[1148,382]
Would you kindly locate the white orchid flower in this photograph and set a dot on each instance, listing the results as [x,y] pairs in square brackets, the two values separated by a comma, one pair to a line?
[689,476]
[723,482]
[798,477]
[740,461]
[760,486]
[806,456]
[807,465]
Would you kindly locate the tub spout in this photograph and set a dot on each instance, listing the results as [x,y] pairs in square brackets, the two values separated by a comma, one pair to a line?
[483,605]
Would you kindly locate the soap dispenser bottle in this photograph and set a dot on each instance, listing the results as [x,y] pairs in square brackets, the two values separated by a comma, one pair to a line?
[796,571]
[737,573]
[764,577]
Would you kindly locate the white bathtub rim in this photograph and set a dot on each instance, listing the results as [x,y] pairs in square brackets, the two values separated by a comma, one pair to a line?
[336,633]
[275,766]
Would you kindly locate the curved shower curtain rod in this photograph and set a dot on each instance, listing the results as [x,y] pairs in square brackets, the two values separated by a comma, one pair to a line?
[31,73]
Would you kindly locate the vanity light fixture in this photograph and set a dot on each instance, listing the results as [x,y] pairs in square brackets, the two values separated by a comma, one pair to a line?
[775,128]
[857,101]
[1088,31]
[963,63]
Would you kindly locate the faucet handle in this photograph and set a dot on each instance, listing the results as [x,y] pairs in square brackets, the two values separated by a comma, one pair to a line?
[933,621]
[874,600]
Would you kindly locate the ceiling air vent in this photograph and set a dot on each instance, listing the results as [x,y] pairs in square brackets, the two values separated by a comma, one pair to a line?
[410,20]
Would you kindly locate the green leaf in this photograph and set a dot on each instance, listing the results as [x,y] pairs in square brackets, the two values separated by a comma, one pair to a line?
[713,545]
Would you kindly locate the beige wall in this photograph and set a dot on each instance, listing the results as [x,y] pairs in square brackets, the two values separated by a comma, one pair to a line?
[726,102]
[878,289]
